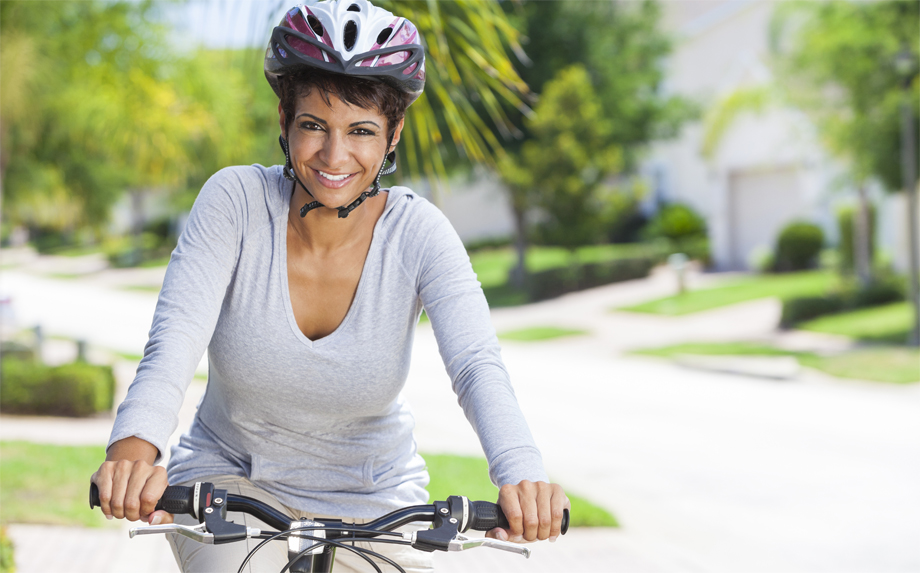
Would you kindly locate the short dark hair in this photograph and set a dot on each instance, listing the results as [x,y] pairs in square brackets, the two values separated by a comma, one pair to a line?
[362,92]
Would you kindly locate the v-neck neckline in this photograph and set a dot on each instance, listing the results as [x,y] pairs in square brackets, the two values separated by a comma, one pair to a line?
[285,286]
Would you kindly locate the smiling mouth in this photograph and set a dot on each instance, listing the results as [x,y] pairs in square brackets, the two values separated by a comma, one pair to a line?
[332,177]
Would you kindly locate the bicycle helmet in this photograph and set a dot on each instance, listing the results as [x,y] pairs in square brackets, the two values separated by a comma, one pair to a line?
[352,38]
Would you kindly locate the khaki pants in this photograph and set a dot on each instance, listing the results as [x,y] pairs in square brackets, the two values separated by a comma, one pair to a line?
[194,557]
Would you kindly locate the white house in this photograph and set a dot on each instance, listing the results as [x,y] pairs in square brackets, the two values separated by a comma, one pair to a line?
[768,168]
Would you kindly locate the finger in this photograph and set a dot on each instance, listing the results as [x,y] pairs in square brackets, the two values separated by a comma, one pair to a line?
[121,473]
[509,500]
[498,533]
[153,491]
[544,510]
[140,472]
[103,480]
[530,514]
[559,503]
[159,517]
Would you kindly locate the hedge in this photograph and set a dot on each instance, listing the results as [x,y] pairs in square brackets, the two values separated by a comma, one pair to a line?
[796,310]
[76,389]
[556,282]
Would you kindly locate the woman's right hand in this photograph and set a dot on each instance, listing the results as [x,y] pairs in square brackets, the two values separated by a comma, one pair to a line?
[129,484]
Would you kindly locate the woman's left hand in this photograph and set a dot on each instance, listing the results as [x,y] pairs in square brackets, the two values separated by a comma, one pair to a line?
[533,509]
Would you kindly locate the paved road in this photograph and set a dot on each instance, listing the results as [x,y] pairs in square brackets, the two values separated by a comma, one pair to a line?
[707,472]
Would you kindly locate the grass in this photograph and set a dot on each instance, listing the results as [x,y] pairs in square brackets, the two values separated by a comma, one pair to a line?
[807,283]
[893,364]
[535,333]
[493,265]
[469,476]
[890,323]
[48,484]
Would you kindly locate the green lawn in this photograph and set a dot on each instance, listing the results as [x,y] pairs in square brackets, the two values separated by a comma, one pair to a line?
[807,283]
[469,476]
[889,323]
[894,364]
[535,333]
[48,484]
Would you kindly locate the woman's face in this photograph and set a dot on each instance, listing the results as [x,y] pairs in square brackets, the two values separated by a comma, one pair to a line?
[336,148]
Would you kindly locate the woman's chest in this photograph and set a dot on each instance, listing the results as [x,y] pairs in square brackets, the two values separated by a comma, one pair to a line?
[322,289]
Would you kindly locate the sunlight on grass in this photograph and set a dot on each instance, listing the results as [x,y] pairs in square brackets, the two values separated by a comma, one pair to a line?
[469,476]
[535,333]
[894,364]
[809,283]
[48,484]
[887,323]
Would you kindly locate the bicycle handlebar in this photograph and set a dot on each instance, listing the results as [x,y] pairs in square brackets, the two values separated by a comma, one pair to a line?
[481,515]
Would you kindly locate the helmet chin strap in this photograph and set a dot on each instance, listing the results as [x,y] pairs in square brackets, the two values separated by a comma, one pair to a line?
[344,211]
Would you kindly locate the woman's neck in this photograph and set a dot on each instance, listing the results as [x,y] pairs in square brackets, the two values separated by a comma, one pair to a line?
[322,230]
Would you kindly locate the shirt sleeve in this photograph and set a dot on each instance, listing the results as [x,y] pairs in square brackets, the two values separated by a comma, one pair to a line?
[187,310]
[453,299]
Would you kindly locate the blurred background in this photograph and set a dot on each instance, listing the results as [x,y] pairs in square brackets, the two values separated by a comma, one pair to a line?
[701,216]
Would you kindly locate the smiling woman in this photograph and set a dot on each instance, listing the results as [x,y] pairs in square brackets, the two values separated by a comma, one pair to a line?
[304,282]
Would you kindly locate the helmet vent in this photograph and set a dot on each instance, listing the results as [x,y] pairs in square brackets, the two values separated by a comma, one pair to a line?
[350,35]
[383,36]
[354,8]
[315,25]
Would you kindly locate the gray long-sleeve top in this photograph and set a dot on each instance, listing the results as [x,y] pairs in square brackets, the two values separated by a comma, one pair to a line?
[319,424]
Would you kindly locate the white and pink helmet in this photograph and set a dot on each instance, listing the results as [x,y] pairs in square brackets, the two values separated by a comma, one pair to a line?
[350,37]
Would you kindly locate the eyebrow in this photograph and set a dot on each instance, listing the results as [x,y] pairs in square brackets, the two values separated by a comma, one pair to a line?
[323,121]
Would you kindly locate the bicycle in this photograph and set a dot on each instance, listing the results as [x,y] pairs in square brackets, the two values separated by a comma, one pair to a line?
[314,552]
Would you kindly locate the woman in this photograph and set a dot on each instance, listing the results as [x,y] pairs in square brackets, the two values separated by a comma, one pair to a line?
[305,284]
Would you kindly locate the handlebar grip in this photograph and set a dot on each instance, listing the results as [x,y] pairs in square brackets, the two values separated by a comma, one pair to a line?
[176,499]
[93,496]
[485,516]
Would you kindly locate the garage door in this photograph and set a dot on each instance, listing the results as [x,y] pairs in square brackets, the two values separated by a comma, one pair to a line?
[760,204]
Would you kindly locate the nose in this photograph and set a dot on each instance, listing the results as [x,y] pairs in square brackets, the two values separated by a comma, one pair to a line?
[335,151]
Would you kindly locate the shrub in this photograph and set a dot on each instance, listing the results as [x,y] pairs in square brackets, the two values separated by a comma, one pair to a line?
[878,293]
[798,246]
[622,216]
[797,310]
[682,228]
[76,389]
[555,282]
[677,223]
[806,308]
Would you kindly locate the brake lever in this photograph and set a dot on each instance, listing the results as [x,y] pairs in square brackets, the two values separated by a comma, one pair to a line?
[199,532]
[461,543]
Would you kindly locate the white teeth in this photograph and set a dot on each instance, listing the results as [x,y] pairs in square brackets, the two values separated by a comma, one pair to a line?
[333,177]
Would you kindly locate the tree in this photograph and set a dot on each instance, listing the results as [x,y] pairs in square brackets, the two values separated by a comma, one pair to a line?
[621,48]
[838,60]
[563,166]
[98,115]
